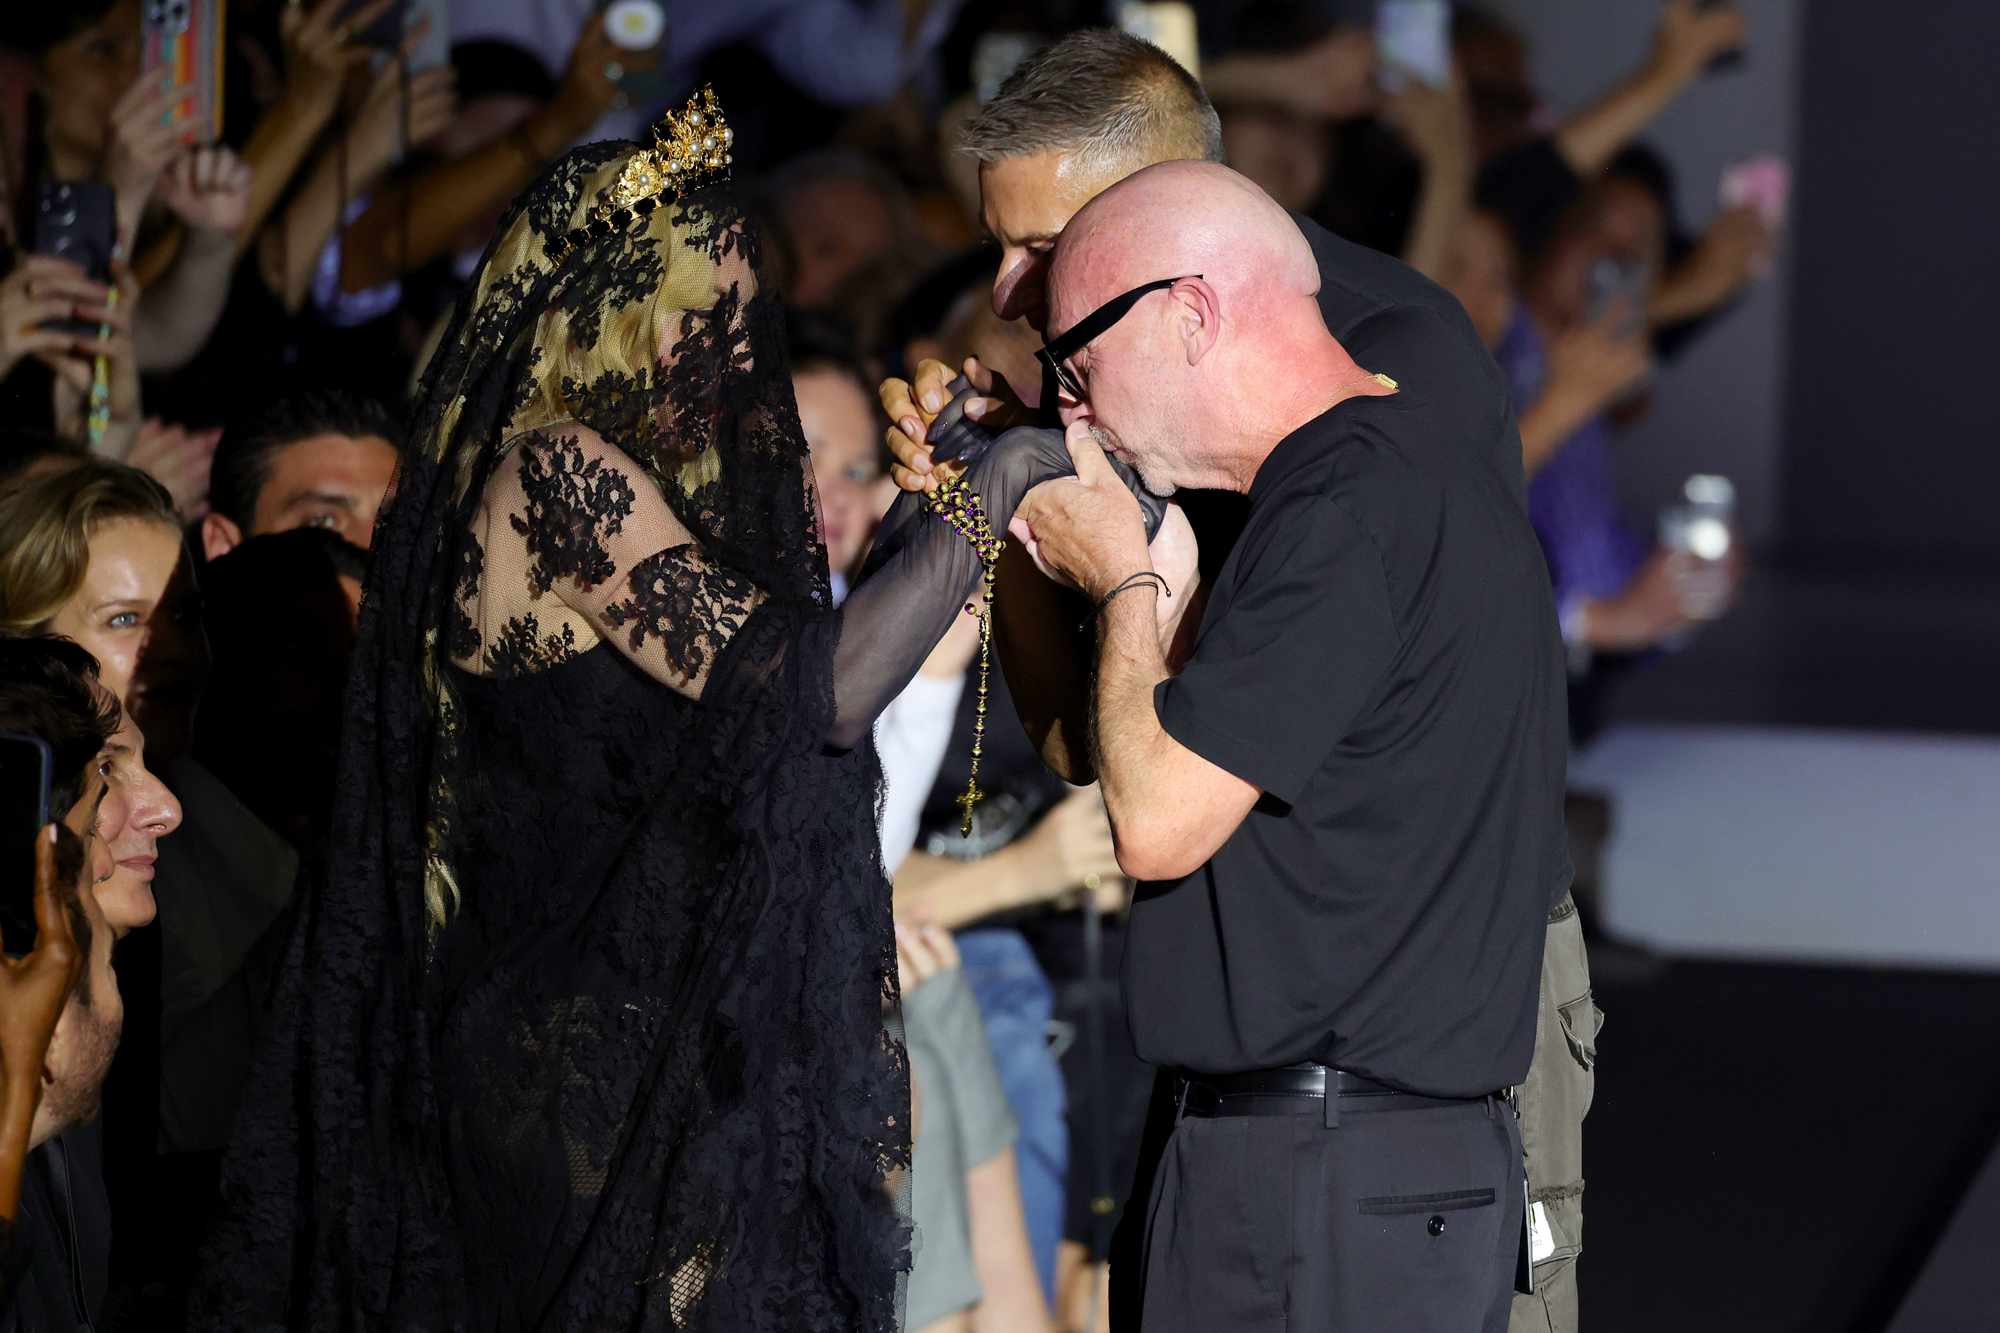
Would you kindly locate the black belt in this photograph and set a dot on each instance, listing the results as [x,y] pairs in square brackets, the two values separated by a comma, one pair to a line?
[1294,1090]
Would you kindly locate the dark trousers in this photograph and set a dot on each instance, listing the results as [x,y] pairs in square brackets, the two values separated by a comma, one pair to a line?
[1404,1219]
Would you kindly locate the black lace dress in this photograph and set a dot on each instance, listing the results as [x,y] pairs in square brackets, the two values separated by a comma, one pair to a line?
[589,1019]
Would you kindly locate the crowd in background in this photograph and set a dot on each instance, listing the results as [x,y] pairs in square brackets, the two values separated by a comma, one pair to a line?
[196,447]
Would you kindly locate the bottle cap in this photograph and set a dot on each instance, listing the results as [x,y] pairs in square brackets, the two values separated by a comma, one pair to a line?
[1708,489]
[635,25]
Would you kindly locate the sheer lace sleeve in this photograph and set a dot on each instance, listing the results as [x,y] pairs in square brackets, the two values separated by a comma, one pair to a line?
[921,573]
[576,545]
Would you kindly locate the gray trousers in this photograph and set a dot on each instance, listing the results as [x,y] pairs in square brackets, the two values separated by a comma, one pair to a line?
[1406,1215]
[1553,1102]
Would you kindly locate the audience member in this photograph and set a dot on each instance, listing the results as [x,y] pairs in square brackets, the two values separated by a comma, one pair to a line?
[1615,592]
[848,232]
[837,413]
[315,460]
[53,1256]
[93,552]
[973,1269]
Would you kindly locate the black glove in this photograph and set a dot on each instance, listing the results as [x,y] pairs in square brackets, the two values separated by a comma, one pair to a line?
[955,436]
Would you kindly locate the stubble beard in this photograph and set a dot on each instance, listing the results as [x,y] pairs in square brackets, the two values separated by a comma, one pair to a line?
[1153,483]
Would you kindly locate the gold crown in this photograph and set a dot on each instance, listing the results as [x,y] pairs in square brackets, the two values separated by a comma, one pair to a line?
[690,147]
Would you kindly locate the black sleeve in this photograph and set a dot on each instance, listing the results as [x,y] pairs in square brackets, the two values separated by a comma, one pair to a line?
[1529,188]
[920,574]
[1278,678]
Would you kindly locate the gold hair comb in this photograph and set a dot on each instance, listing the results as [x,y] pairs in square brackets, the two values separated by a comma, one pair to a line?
[690,147]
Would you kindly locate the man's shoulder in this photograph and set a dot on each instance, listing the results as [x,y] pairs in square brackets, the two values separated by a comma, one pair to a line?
[1357,283]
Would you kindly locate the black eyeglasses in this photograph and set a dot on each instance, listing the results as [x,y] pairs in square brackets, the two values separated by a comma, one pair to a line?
[1055,355]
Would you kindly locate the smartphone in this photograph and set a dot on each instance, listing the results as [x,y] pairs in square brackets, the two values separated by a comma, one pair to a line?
[1169,26]
[77,221]
[26,767]
[1614,285]
[1413,39]
[1763,183]
[182,44]
[434,47]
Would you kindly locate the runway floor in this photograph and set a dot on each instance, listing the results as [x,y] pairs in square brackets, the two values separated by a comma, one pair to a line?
[1778,1147]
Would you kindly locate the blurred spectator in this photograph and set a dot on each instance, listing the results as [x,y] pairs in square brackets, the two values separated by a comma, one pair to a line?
[52,1259]
[1500,95]
[100,119]
[837,413]
[972,1269]
[847,238]
[1533,185]
[842,52]
[1613,591]
[314,460]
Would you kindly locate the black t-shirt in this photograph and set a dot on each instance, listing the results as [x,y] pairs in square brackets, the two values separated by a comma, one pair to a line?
[1380,656]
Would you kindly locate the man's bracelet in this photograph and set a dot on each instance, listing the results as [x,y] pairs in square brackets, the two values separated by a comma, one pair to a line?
[1144,577]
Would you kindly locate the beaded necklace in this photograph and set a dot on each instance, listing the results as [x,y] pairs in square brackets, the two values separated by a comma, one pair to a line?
[959,505]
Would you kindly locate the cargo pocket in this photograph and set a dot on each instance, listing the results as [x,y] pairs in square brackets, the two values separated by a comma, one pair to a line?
[1581,1021]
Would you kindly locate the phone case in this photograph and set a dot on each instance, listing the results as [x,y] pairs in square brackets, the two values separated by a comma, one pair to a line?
[1762,183]
[26,767]
[77,221]
[1414,37]
[183,44]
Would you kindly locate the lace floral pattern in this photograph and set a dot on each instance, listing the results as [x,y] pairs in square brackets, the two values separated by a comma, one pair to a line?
[574,507]
[677,589]
[589,1019]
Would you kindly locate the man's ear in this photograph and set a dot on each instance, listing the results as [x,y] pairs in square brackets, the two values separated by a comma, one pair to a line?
[1199,315]
[219,535]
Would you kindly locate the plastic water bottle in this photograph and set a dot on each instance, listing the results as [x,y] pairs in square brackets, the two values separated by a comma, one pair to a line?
[1702,529]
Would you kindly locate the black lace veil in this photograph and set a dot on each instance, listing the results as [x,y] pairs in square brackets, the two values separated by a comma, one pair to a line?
[588,1017]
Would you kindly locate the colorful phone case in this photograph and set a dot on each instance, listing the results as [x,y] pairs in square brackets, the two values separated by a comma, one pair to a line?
[183,44]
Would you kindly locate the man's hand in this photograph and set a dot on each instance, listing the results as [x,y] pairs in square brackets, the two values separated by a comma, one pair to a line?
[208,188]
[1084,531]
[1672,592]
[1691,34]
[912,407]
[34,989]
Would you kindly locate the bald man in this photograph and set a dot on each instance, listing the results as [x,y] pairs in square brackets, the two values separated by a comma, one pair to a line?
[1344,794]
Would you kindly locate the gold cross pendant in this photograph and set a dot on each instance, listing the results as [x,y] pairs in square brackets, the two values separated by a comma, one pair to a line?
[971,797]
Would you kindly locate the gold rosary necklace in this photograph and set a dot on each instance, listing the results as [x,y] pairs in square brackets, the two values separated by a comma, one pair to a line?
[959,505]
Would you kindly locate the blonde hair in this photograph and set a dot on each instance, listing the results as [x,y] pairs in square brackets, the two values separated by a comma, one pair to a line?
[45,529]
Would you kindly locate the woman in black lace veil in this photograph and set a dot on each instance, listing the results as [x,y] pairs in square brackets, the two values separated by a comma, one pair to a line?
[588,1019]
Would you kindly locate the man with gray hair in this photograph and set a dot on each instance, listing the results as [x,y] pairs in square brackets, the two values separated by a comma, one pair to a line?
[1059,132]
[1345,800]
